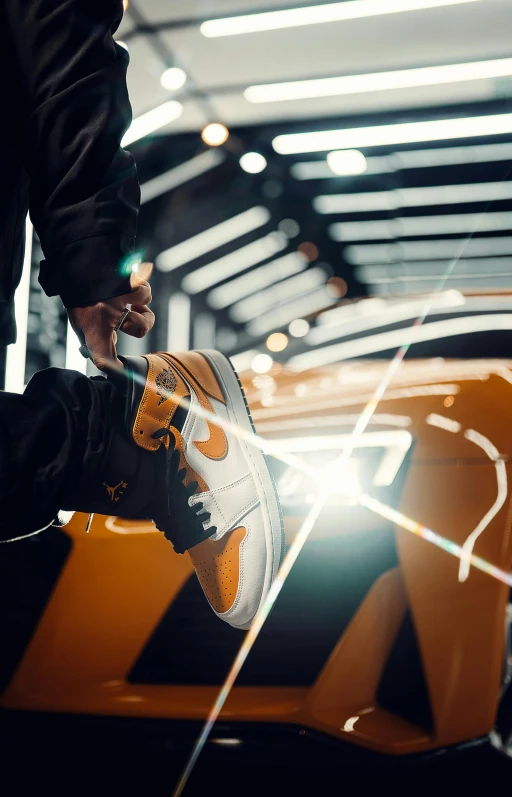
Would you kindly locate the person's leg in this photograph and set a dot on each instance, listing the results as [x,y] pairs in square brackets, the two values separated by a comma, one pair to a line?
[46,434]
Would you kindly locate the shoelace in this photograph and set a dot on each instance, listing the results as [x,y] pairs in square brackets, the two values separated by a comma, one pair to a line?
[182,524]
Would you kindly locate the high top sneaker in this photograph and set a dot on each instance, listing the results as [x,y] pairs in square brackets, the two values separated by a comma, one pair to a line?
[206,488]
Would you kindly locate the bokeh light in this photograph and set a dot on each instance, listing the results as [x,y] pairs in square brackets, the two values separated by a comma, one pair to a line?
[337,287]
[262,363]
[277,341]
[215,134]
[298,328]
[309,250]
[173,78]
[289,227]
[346,162]
[253,162]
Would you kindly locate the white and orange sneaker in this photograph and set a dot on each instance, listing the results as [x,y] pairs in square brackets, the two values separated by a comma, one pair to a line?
[224,510]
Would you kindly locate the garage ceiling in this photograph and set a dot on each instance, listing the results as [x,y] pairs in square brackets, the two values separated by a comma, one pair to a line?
[161,33]
[378,241]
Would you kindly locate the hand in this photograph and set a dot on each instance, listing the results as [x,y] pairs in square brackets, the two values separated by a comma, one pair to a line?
[94,325]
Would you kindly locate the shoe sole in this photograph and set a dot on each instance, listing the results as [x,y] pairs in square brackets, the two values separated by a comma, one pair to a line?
[239,414]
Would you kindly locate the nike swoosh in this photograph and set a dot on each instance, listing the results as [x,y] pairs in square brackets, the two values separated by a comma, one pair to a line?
[216,446]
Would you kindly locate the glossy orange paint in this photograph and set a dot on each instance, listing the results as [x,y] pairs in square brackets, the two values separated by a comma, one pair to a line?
[119,579]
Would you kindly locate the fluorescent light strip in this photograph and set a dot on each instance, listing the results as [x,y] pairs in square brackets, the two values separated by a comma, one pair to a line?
[281,292]
[385,135]
[280,316]
[204,331]
[434,269]
[413,197]
[17,352]
[378,81]
[425,250]
[178,323]
[212,238]
[316,15]
[484,282]
[409,159]
[385,341]
[180,174]
[320,170]
[203,278]
[419,225]
[74,360]
[152,121]
[259,278]
[446,302]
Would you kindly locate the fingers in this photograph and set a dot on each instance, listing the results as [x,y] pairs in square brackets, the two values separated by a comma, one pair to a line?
[140,296]
[139,321]
[141,275]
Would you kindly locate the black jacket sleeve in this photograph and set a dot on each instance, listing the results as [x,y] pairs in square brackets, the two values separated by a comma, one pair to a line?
[84,191]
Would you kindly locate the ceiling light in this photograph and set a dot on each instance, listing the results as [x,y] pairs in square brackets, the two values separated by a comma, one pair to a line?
[320,170]
[255,280]
[281,292]
[151,121]
[379,81]
[424,250]
[379,313]
[347,162]
[389,341]
[242,361]
[180,174]
[277,341]
[173,78]
[314,15]
[436,269]
[253,162]
[215,134]
[410,159]
[16,353]
[384,135]
[178,326]
[281,316]
[203,278]
[213,238]
[262,363]
[298,328]
[413,197]
[412,226]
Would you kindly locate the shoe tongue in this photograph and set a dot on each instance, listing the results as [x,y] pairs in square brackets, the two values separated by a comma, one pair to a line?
[179,418]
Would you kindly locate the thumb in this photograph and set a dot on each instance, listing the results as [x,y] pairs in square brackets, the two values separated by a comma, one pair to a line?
[102,347]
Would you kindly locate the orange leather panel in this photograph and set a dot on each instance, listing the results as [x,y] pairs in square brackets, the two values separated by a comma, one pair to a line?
[198,367]
[159,402]
[217,565]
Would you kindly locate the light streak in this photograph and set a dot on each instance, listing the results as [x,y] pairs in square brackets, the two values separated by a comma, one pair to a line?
[501,476]
[443,423]
[429,535]
[303,408]
[311,518]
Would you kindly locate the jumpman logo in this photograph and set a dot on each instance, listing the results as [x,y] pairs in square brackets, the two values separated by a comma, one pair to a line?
[112,490]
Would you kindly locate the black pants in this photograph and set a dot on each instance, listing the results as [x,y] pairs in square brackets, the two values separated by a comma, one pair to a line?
[47,435]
